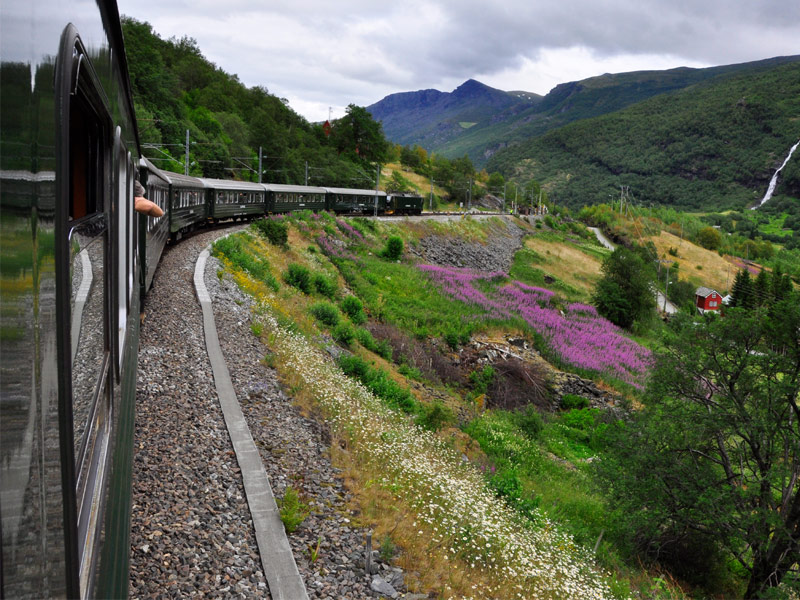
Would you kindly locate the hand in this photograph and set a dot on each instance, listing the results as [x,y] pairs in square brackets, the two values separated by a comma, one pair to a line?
[144,206]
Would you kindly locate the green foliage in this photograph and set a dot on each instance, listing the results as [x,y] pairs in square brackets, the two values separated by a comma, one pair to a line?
[344,333]
[393,249]
[714,144]
[298,276]
[365,338]
[387,549]
[709,238]
[706,461]
[379,383]
[435,416]
[624,294]
[176,88]
[583,418]
[274,230]
[482,379]
[570,401]
[529,422]
[293,510]
[353,308]
[325,313]
[325,286]
[234,248]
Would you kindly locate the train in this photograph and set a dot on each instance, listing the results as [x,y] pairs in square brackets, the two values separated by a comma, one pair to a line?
[192,202]
[76,261]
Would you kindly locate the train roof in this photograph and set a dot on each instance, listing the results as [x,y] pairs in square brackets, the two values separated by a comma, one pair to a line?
[352,192]
[185,180]
[229,184]
[151,168]
[283,187]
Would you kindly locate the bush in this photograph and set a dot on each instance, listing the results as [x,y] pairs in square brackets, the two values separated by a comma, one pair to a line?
[353,308]
[379,383]
[570,401]
[326,313]
[381,348]
[298,276]
[343,333]
[583,419]
[529,422]
[393,249]
[293,510]
[325,286]
[435,416]
[274,230]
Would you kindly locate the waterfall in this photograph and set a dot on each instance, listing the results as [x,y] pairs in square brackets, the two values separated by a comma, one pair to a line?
[774,181]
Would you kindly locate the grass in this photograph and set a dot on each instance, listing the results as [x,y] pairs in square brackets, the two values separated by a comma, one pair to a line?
[573,265]
[715,271]
[515,520]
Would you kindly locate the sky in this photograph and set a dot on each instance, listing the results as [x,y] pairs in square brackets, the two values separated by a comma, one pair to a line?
[322,55]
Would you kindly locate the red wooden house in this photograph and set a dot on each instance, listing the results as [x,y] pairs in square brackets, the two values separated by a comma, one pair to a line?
[707,299]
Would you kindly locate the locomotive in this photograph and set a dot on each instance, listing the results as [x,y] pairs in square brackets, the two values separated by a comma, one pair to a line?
[75,262]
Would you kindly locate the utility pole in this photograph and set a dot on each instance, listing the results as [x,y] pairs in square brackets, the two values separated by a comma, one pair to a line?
[186,162]
[431,202]
[469,196]
[504,197]
[259,164]
[377,183]
[306,180]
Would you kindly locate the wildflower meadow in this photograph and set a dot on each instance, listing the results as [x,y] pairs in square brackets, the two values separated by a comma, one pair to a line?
[576,336]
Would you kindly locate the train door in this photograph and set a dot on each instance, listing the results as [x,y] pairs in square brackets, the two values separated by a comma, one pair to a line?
[86,272]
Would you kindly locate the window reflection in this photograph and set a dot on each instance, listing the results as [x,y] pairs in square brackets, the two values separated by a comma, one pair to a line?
[87,266]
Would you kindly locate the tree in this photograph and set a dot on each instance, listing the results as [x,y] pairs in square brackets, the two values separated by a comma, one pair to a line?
[715,455]
[742,291]
[709,238]
[359,135]
[624,295]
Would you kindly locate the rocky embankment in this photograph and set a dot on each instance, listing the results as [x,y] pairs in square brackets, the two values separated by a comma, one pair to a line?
[496,254]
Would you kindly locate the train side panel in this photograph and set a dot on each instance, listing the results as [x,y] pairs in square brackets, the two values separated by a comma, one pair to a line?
[153,231]
[234,199]
[289,198]
[188,208]
[69,299]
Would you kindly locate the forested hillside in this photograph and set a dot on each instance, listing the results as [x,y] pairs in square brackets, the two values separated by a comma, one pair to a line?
[175,88]
[710,146]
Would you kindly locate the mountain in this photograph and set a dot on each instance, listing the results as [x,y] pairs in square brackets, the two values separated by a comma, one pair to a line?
[707,146]
[447,124]
[430,118]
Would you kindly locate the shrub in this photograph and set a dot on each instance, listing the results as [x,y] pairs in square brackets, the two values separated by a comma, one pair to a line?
[298,276]
[529,422]
[506,484]
[481,380]
[393,249]
[326,313]
[379,383]
[570,401]
[293,510]
[325,286]
[343,333]
[435,416]
[353,308]
[583,419]
[364,337]
[274,230]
